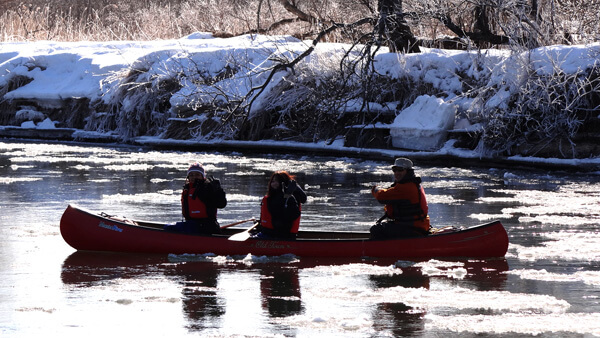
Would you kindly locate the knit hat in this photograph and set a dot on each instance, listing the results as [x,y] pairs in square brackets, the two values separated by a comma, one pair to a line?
[402,163]
[196,167]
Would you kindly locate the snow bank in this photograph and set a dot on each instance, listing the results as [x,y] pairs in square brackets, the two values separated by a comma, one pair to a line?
[423,125]
[45,74]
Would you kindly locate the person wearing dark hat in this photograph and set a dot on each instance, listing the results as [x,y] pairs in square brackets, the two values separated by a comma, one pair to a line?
[200,199]
[406,210]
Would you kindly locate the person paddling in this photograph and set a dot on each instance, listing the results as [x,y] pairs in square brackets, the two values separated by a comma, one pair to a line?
[200,199]
[406,210]
[281,207]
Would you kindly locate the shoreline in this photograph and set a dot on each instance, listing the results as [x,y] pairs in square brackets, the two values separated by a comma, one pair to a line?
[447,155]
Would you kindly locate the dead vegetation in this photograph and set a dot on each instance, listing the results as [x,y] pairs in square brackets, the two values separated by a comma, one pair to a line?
[557,117]
[440,23]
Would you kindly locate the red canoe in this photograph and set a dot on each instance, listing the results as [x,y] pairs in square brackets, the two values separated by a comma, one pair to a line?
[86,231]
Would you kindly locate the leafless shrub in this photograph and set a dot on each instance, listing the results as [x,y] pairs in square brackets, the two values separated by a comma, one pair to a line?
[544,108]
[139,103]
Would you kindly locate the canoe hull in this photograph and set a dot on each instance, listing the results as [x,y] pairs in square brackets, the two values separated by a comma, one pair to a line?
[86,231]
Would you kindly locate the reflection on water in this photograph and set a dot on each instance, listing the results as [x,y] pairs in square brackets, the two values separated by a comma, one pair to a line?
[199,292]
[548,285]
[280,288]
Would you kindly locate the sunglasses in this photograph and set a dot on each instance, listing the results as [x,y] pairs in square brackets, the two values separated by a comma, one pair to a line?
[397,170]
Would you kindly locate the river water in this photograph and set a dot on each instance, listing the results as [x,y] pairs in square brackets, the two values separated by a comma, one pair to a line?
[548,285]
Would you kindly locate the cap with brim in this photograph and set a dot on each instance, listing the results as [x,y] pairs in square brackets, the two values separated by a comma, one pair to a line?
[402,163]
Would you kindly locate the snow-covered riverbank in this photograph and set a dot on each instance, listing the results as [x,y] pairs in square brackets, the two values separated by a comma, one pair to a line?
[156,94]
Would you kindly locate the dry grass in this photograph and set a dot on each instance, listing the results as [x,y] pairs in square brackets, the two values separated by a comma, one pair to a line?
[145,19]
[106,20]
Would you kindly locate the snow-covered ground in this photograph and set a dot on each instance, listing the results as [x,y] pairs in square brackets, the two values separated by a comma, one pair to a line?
[95,70]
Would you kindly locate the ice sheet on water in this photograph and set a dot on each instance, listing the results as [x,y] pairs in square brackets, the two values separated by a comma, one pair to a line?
[435,297]
[518,323]
[587,277]
[322,199]
[10,180]
[496,200]
[443,199]
[440,268]
[429,268]
[433,300]
[130,167]
[207,257]
[489,217]
[566,220]
[563,245]
[243,198]
[82,167]
[248,260]
[571,204]
[332,325]
[17,167]
[354,269]
[164,196]
[440,298]
[170,196]
[453,184]
[243,173]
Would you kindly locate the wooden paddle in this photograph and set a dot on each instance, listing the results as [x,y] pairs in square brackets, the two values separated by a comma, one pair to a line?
[244,235]
[236,223]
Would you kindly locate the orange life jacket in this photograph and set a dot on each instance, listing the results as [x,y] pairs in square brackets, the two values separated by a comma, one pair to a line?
[266,219]
[194,207]
[406,203]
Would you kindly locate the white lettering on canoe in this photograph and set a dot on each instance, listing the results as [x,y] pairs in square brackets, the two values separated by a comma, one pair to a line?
[110,227]
[270,245]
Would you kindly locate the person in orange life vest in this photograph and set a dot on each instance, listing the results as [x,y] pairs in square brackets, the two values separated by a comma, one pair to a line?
[200,198]
[405,204]
[280,209]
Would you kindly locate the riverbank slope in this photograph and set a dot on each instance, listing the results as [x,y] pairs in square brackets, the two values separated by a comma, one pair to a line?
[201,92]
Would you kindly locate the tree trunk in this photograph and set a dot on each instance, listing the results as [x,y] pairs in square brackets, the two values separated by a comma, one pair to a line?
[393,28]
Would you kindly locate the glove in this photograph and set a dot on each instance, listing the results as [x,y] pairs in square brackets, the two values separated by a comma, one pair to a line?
[215,182]
[291,187]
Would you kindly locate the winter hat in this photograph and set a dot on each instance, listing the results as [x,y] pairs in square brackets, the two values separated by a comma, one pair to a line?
[196,167]
[402,163]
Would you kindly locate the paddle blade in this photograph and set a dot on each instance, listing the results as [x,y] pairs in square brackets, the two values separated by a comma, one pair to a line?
[242,236]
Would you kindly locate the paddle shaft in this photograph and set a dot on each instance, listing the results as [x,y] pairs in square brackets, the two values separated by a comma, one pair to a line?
[236,223]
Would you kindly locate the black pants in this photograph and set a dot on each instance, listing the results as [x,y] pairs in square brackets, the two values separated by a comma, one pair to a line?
[270,233]
[394,230]
[196,226]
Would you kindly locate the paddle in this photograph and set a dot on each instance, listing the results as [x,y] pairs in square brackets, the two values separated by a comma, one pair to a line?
[244,235]
[236,223]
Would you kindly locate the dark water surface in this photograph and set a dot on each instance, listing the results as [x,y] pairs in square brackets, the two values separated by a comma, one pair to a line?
[548,285]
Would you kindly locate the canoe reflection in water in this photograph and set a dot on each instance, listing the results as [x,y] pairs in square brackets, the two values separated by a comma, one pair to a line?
[280,290]
[204,283]
[199,292]
[279,282]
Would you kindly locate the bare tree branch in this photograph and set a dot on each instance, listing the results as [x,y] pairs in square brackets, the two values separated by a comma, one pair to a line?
[290,65]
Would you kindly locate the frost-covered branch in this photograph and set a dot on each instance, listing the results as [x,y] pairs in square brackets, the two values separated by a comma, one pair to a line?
[548,106]
[256,91]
